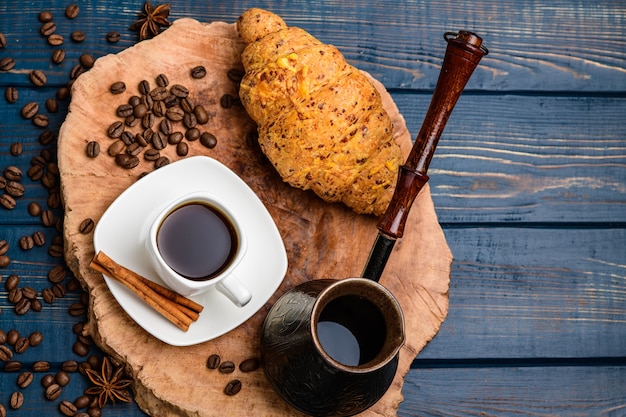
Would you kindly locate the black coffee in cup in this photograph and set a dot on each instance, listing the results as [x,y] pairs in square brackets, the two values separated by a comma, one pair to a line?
[197,240]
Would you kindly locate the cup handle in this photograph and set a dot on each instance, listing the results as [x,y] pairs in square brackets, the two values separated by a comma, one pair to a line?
[234,290]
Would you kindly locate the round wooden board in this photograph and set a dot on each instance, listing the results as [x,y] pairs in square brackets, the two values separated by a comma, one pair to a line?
[322,240]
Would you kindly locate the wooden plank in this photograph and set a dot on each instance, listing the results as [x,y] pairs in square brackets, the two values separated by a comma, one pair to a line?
[509,392]
[555,46]
[536,292]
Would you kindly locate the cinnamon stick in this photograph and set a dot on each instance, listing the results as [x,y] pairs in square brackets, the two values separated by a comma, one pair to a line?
[179,310]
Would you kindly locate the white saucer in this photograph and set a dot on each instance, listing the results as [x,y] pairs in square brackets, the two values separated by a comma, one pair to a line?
[121,231]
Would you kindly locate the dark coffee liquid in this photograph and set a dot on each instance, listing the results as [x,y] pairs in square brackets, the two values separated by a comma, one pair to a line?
[197,241]
[351,330]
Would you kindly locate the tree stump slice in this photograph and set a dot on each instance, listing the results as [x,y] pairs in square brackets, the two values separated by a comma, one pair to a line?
[322,240]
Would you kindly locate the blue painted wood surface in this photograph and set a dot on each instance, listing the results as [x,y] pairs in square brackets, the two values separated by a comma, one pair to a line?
[529,182]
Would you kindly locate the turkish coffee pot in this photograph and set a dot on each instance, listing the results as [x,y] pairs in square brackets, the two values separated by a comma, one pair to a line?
[330,347]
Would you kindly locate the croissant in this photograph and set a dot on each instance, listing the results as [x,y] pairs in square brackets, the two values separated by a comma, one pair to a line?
[320,120]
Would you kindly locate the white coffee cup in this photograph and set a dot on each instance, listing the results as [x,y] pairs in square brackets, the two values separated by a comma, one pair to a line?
[189,247]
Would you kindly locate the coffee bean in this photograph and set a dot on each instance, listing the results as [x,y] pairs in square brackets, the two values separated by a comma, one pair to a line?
[4,259]
[70,366]
[5,353]
[47,218]
[39,239]
[22,344]
[62,378]
[227,367]
[175,138]
[41,366]
[48,295]
[159,108]
[235,75]
[161,162]
[170,101]
[67,408]
[113,36]
[159,140]
[93,149]
[182,149]
[3,40]
[165,126]
[35,172]
[126,161]
[58,56]
[53,391]
[198,72]
[13,173]
[48,28]
[15,189]
[208,140]
[148,121]
[27,242]
[12,337]
[162,80]
[249,365]
[45,16]
[117,87]
[80,348]
[147,100]
[3,337]
[233,387]
[57,274]
[227,101]
[25,379]
[12,366]
[82,402]
[77,309]
[179,91]
[115,130]
[128,138]
[3,411]
[29,292]
[94,411]
[41,120]
[213,362]
[192,134]
[55,39]
[49,180]
[37,77]
[186,104]
[159,93]
[7,201]
[29,110]
[11,94]
[35,338]
[144,87]
[71,12]
[52,105]
[151,155]
[12,282]
[47,137]
[116,148]
[134,149]
[63,93]
[56,251]
[86,226]
[36,305]
[132,121]
[22,307]
[189,120]
[175,114]
[78,36]
[16,400]
[7,64]
[47,380]
[16,149]
[124,110]
[14,297]
[4,246]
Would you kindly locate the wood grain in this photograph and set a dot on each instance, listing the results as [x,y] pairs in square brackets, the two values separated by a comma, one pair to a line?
[322,240]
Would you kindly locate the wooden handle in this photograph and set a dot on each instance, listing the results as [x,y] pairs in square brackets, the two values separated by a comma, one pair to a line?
[463,54]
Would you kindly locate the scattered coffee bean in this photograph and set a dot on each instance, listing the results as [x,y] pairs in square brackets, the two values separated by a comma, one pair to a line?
[116,148]
[14,297]
[10,284]
[162,80]
[29,293]
[227,101]
[77,309]
[56,251]
[161,162]
[22,307]
[53,391]
[48,28]
[198,72]
[117,87]
[175,114]
[37,77]
[126,161]
[22,344]
[71,12]
[249,365]
[227,367]
[179,91]
[13,173]
[55,39]
[213,362]
[63,93]
[189,120]
[5,353]
[48,295]
[124,110]
[76,71]
[25,379]
[193,134]
[39,239]
[3,40]
[12,366]
[182,149]
[35,338]
[41,120]
[78,36]
[57,274]
[47,137]
[47,218]
[208,140]
[58,56]
[82,402]
[27,242]
[29,110]
[4,259]
[86,226]
[80,348]
[93,149]
[36,305]
[67,408]
[62,378]
[186,104]
[235,75]
[233,387]
[7,64]
[4,246]
[11,94]
[15,189]
[115,130]
[47,380]
[159,140]
[7,202]
[3,337]
[52,105]
[16,149]
[12,337]
[3,411]
[113,36]
[151,155]
[159,93]
[41,366]
[16,400]
[70,366]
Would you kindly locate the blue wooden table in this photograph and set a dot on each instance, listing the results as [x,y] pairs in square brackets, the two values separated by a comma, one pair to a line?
[529,182]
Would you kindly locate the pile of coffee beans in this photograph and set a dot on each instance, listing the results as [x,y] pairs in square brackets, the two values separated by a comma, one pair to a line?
[233,386]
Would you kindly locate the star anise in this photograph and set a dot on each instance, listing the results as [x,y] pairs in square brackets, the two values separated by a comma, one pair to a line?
[110,383]
[152,20]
